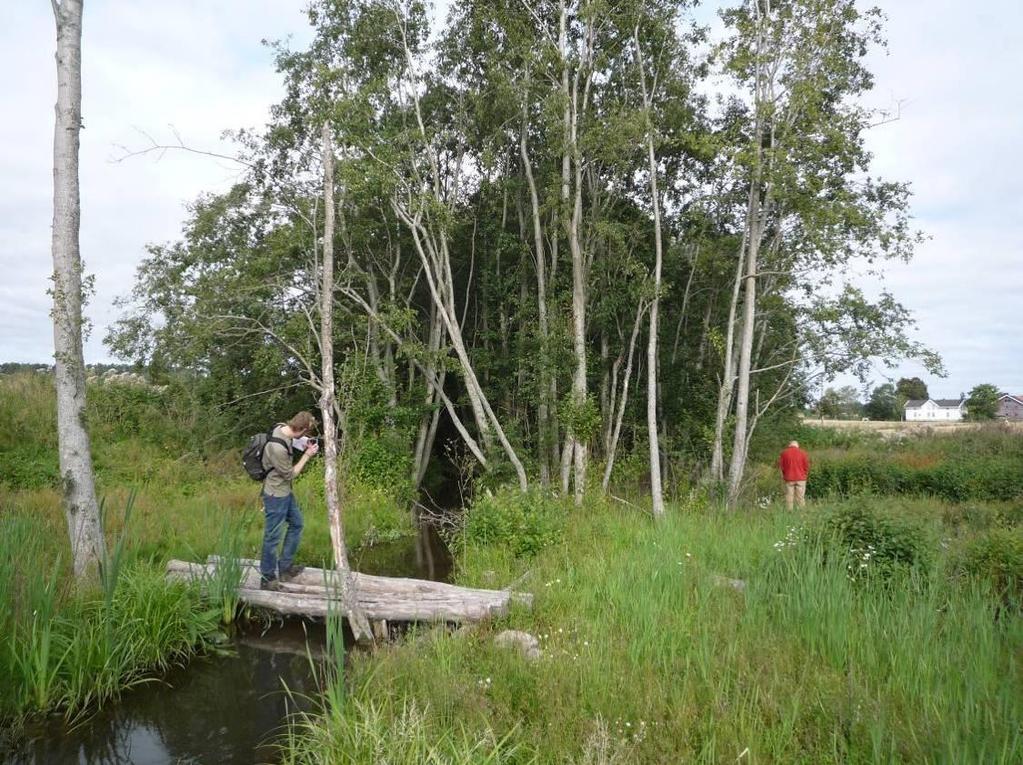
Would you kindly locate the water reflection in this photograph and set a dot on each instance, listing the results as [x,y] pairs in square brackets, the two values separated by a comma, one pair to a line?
[222,709]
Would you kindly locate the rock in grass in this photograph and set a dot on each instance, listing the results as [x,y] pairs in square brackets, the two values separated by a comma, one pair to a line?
[723,581]
[527,645]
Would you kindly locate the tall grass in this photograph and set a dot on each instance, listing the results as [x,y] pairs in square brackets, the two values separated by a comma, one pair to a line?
[647,658]
[69,648]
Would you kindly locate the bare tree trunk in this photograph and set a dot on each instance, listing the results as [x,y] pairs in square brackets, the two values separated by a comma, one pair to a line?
[757,209]
[623,400]
[657,494]
[428,423]
[738,463]
[77,480]
[579,269]
[543,408]
[726,389]
[356,619]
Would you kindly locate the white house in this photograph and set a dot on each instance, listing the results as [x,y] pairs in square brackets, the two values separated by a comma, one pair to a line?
[936,410]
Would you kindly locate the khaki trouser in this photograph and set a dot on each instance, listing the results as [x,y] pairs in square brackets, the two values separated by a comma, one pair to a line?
[795,490]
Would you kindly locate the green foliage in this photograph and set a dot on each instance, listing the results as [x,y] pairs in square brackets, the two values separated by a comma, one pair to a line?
[982,403]
[912,388]
[373,516]
[843,403]
[383,463]
[874,541]
[996,558]
[993,477]
[138,432]
[522,523]
[582,419]
[884,404]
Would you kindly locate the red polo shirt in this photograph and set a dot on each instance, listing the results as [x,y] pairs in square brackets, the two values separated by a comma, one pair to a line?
[794,464]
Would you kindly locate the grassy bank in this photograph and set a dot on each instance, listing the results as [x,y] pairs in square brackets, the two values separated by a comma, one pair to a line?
[68,648]
[646,658]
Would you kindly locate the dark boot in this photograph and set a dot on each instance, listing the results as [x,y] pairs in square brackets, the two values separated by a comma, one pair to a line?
[271,585]
[291,572]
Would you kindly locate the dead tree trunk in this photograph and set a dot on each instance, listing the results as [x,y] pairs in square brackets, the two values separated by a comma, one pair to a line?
[77,480]
[357,620]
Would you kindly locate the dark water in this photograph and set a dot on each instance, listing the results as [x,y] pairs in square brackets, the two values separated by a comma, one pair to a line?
[226,708]
[218,709]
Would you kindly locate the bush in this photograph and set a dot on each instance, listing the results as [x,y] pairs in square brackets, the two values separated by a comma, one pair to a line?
[977,517]
[382,462]
[990,478]
[996,557]
[524,523]
[876,542]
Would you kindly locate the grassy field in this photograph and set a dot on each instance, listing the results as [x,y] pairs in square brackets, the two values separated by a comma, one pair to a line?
[909,426]
[882,624]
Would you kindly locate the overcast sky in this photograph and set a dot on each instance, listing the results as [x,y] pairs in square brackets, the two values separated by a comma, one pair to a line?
[199,66]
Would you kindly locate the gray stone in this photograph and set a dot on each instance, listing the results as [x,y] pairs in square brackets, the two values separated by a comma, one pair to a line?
[526,644]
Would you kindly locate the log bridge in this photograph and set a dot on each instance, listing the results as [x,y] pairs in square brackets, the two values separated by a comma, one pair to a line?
[314,593]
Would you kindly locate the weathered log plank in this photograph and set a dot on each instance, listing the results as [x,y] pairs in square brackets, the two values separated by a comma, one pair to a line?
[386,585]
[380,598]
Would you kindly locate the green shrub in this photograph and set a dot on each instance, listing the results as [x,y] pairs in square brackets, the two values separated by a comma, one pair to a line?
[383,462]
[981,517]
[875,542]
[996,557]
[524,523]
[990,478]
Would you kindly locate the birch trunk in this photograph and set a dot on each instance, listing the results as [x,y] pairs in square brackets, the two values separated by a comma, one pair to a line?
[623,400]
[358,622]
[543,408]
[571,159]
[657,494]
[757,209]
[77,480]
[727,387]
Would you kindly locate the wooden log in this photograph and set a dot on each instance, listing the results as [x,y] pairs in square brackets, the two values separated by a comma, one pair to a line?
[384,585]
[380,598]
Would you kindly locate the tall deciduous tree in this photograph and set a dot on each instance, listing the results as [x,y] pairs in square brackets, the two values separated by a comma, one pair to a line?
[77,480]
[912,389]
[982,403]
[883,403]
[811,207]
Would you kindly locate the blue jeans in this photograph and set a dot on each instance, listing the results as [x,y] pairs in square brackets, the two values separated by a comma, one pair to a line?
[279,511]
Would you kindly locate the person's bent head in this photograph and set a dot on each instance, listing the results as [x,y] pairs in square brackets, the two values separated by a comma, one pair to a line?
[302,424]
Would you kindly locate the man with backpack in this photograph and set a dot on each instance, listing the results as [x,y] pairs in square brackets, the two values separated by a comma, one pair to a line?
[279,505]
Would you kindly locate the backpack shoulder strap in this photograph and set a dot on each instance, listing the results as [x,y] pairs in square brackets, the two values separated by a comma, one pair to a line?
[270,437]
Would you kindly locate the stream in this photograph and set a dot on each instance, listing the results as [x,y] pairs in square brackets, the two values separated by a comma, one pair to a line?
[226,707]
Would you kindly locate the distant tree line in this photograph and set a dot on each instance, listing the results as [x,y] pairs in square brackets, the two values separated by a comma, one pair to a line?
[888,401]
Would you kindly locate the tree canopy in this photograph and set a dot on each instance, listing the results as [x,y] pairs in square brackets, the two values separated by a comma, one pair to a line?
[524,203]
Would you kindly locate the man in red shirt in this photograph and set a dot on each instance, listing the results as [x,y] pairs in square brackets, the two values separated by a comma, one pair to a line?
[795,467]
